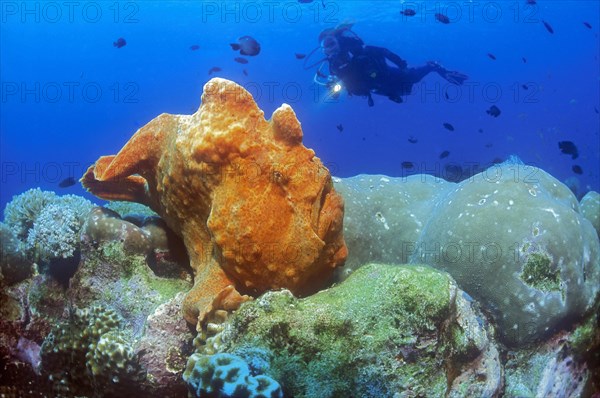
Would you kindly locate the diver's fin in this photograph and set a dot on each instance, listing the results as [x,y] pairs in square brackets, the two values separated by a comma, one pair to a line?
[453,77]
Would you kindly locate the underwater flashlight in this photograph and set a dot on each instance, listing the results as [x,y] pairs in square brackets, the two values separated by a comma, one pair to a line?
[335,90]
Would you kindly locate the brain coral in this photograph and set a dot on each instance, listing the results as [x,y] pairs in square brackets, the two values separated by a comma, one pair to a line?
[255,208]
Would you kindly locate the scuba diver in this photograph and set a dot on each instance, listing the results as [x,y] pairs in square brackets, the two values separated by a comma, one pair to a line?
[365,70]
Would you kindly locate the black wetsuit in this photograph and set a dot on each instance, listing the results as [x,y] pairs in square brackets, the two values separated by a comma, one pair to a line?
[369,69]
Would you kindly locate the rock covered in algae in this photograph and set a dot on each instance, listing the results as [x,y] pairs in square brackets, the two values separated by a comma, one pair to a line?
[384,330]
[255,208]
[15,264]
[114,270]
[566,365]
[513,237]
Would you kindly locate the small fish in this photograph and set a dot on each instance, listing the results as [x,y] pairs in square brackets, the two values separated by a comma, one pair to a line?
[444,154]
[524,60]
[119,43]
[577,169]
[247,46]
[480,130]
[448,126]
[412,140]
[409,12]
[548,27]
[525,86]
[214,69]
[407,165]
[587,25]
[245,72]
[493,111]
[569,148]
[67,182]
[194,47]
[442,18]
[489,145]
[492,56]
[596,109]
[340,127]
[300,56]
[241,60]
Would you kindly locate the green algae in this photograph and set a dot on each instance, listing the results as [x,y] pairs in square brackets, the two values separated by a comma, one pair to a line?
[537,272]
[586,337]
[379,332]
[116,278]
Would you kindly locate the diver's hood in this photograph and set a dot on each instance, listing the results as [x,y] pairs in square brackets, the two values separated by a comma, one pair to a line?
[326,33]
[341,28]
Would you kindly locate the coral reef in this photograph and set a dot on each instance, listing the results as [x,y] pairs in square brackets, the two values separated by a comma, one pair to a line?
[143,235]
[89,354]
[15,265]
[512,236]
[129,208]
[20,213]
[384,330]
[231,206]
[164,349]
[47,228]
[115,272]
[255,208]
[55,233]
[227,376]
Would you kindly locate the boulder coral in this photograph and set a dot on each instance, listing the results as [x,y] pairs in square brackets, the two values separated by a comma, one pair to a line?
[590,209]
[255,208]
[513,237]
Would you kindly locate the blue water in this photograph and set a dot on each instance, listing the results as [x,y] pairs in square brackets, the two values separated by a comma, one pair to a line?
[69,96]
